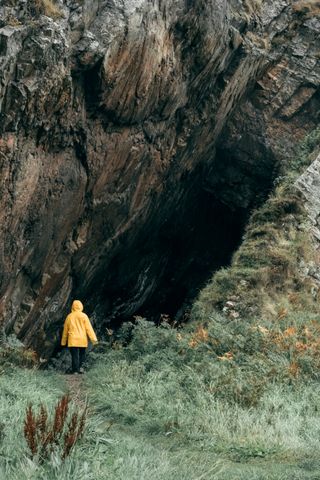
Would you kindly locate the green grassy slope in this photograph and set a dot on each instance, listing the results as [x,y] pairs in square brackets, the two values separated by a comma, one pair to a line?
[155,418]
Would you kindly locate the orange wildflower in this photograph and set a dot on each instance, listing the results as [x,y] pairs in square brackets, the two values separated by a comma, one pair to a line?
[289,332]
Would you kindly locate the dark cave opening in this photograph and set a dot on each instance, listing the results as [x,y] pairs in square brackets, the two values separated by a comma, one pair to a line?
[196,245]
[162,270]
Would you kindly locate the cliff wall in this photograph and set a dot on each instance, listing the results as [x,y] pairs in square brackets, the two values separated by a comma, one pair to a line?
[136,136]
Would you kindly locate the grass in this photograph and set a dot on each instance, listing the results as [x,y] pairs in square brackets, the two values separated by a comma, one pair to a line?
[195,434]
[156,416]
[18,388]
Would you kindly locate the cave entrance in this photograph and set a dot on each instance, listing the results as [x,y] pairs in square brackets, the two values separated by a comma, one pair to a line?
[177,252]
[195,245]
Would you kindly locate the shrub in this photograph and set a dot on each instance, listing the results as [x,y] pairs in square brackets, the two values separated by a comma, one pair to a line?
[235,360]
[11,356]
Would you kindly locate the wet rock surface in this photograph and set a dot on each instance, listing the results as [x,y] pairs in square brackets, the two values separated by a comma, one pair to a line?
[309,186]
[136,136]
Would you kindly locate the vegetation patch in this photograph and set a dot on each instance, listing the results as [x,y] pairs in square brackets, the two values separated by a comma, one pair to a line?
[307,8]
[45,7]
[12,356]
[164,410]
[201,414]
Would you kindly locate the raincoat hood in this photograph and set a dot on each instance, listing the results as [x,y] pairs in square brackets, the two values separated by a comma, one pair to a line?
[77,306]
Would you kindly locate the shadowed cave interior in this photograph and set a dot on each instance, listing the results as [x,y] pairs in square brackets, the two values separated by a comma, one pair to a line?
[173,256]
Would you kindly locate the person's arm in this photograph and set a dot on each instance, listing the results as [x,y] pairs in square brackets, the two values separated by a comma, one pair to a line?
[65,332]
[90,331]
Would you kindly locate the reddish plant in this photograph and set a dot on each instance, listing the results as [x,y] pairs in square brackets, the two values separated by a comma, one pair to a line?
[70,437]
[61,413]
[30,431]
[42,436]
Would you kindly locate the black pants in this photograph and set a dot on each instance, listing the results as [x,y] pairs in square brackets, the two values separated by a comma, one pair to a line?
[78,356]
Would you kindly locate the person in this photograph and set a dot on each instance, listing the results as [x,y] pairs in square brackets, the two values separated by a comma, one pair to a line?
[76,330]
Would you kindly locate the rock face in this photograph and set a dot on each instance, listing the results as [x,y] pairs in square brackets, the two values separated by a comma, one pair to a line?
[309,186]
[135,138]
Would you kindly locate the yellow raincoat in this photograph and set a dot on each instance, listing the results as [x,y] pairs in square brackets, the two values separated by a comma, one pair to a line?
[77,328]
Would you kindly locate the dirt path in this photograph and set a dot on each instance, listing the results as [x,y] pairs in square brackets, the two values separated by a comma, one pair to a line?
[77,390]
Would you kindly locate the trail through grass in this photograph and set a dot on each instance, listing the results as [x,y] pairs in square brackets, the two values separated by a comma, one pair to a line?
[155,421]
[167,424]
[76,389]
